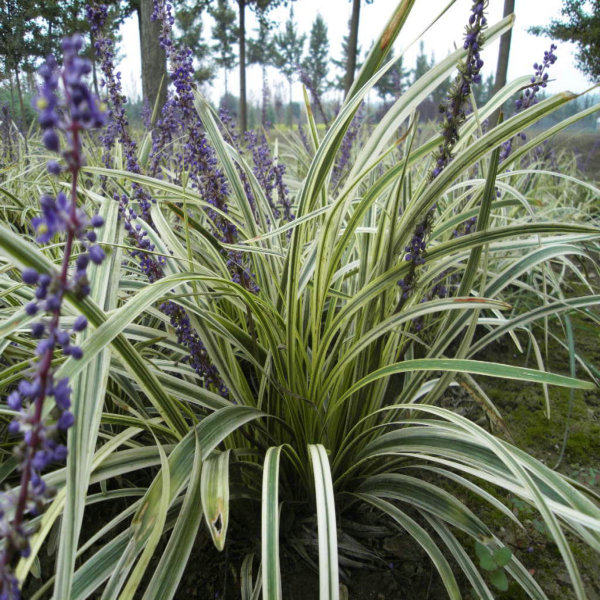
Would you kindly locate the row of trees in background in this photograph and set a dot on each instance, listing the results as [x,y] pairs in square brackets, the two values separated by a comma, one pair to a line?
[282,49]
[30,29]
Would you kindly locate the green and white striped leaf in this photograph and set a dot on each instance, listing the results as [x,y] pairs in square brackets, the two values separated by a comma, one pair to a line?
[329,584]
[214,486]
[173,562]
[271,574]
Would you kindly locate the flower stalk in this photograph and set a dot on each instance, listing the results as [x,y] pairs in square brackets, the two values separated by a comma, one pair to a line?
[454,110]
[77,109]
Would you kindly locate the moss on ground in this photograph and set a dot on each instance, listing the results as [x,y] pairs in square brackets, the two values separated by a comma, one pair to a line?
[524,409]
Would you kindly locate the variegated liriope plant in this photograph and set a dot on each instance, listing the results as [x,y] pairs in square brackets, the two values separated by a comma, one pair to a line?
[332,371]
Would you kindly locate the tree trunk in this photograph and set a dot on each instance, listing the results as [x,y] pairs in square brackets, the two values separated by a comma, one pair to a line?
[226,85]
[242,47]
[95,78]
[504,52]
[352,47]
[12,94]
[94,73]
[290,109]
[31,85]
[264,95]
[154,61]
[20,93]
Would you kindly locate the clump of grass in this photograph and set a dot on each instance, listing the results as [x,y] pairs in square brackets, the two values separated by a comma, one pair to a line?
[330,372]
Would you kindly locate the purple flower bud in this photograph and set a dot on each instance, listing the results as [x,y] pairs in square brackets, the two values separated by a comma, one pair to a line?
[65,421]
[97,221]
[30,276]
[41,460]
[43,346]
[14,400]
[80,323]
[53,167]
[96,254]
[37,330]
[31,308]
[60,453]
[82,262]
[63,338]
[76,352]
[53,303]
[62,394]
[29,389]
[50,140]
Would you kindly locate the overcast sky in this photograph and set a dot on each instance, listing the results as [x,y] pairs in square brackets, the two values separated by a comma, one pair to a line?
[441,39]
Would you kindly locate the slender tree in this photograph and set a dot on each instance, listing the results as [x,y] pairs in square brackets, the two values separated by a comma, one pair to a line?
[352,56]
[316,62]
[429,106]
[154,60]
[422,64]
[315,66]
[225,34]
[261,51]
[256,5]
[440,94]
[393,83]
[504,51]
[289,47]
[340,81]
[189,20]
[18,30]
[581,25]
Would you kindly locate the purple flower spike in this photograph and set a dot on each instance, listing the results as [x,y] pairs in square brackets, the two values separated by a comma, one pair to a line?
[529,96]
[454,110]
[70,110]
[178,118]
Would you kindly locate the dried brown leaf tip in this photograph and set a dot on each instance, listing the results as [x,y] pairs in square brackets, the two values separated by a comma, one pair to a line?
[391,30]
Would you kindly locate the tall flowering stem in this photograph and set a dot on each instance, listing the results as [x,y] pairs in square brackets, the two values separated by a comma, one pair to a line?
[454,110]
[529,96]
[304,138]
[151,266]
[308,83]
[65,103]
[346,147]
[230,131]
[269,174]
[117,128]
[198,158]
